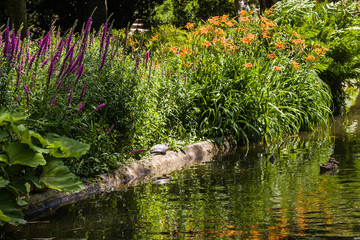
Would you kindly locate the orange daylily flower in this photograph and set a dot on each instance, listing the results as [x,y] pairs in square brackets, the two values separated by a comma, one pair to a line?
[295,34]
[243,12]
[219,31]
[248,38]
[279,45]
[153,38]
[268,11]
[173,49]
[321,50]
[204,30]
[190,25]
[233,47]
[310,58]
[265,35]
[296,65]
[207,44]
[244,19]
[277,68]
[224,18]
[229,24]
[264,19]
[298,41]
[248,65]
[271,55]
[214,22]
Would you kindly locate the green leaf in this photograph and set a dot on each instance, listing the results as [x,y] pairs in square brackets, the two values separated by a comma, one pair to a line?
[4,158]
[9,211]
[3,135]
[57,176]
[20,153]
[5,117]
[3,182]
[33,139]
[20,185]
[61,146]
[3,218]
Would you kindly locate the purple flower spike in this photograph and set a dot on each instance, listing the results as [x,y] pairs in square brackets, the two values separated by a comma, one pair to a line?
[110,129]
[147,58]
[69,99]
[100,106]
[26,87]
[83,91]
[53,101]
[59,84]
[82,105]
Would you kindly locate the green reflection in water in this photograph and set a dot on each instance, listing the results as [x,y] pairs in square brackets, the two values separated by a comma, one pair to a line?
[239,196]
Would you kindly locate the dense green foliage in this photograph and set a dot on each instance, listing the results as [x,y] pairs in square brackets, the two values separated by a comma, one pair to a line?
[336,25]
[29,160]
[180,12]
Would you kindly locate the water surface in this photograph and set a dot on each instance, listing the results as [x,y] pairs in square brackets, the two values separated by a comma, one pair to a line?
[238,196]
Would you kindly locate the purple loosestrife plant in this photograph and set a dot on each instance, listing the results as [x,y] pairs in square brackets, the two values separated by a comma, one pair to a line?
[110,129]
[79,73]
[69,99]
[83,91]
[53,101]
[147,58]
[100,106]
[106,50]
[68,55]
[104,33]
[125,40]
[26,87]
[6,40]
[82,105]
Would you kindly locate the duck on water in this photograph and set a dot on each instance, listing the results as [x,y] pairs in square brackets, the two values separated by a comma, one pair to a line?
[330,166]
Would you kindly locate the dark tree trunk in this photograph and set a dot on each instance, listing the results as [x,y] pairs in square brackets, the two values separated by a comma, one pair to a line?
[17,12]
[265,4]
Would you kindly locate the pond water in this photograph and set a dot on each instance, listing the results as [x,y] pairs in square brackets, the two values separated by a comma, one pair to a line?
[238,196]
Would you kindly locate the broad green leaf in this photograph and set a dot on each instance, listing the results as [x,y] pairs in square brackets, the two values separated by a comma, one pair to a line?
[4,158]
[5,117]
[65,147]
[3,182]
[20,153]
[33,139]
[57,176]
[3,218]
[9,209]
[3,135]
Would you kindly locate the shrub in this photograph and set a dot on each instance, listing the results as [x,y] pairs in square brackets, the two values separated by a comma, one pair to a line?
[335,25]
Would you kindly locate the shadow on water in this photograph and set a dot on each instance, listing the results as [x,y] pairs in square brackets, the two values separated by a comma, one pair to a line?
[269,192]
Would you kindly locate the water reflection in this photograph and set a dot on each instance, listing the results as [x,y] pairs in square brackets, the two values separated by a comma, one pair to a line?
[239,196]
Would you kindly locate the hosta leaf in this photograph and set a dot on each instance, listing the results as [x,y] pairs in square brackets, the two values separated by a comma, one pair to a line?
[57,176]
[9,211]
[33,139]
[20,153]
[3,182]
[3,218]
[65,147]
[5,117]
[3,158]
